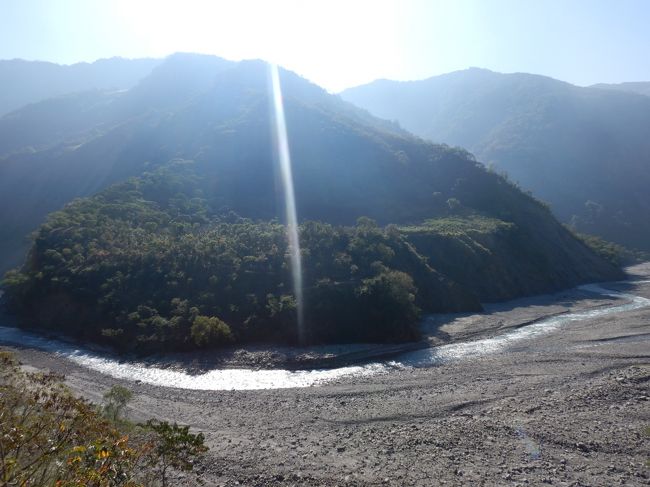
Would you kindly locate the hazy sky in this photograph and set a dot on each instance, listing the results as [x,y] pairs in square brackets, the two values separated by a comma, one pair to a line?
[338,44]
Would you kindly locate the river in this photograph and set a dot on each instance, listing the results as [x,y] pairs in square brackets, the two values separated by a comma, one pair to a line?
[250,379]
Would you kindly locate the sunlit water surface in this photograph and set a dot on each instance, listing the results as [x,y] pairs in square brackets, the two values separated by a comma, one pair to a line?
[249,379]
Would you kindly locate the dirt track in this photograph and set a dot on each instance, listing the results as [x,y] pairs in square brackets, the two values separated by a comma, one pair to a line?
[567,408]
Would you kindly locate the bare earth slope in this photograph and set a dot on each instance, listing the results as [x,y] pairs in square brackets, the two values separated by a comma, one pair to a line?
[567,408]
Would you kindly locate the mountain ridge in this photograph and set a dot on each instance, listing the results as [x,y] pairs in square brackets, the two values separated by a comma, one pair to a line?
[583,150]
[638,87]
[177,241]
[22,80]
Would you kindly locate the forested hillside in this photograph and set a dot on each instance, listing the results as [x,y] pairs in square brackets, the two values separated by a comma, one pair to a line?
[586,151]
[71,146]
[192,251]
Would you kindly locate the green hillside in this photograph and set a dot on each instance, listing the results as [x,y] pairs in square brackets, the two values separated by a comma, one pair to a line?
[583,150]
[192,253]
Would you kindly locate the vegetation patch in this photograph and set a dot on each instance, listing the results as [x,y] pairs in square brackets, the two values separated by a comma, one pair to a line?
[617,254]
[457,226]
[160,274]
[50,437]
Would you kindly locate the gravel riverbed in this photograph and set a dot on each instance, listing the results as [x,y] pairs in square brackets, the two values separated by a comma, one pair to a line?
[571,407]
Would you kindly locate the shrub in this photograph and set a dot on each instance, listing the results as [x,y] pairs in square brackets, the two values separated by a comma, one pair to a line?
[391,294]
[207,331]
[176,447]
[50,437]
[115,401]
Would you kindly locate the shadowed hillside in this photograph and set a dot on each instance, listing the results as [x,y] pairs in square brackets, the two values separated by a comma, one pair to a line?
[23,81]
[583,150]
[189,253]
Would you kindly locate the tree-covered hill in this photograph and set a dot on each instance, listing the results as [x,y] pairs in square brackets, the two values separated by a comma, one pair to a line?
[586,151]
[148,264]
[75,145]
[158,263]
[191,251]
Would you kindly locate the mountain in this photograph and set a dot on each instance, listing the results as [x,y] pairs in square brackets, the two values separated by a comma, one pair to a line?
[74,117]
[25,82]
[70,146]
[178,244]
[584,150]
[74,145]
[638,87]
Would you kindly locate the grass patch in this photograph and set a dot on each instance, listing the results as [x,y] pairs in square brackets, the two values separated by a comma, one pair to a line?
[456,226]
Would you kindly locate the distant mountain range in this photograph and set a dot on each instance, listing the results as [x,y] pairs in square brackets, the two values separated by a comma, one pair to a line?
[639,87]
[586,151]
[176,242]
[25,82]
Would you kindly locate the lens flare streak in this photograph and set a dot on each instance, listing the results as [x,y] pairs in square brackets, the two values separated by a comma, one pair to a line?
[291,214]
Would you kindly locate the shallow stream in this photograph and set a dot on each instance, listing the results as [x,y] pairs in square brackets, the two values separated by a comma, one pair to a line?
[249,379]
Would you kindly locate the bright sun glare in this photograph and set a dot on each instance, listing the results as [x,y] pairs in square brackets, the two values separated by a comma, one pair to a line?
[303,36]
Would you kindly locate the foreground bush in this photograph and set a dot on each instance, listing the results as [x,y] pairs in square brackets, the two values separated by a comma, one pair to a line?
[50,437]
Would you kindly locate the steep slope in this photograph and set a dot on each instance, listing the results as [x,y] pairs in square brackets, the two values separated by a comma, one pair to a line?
[62,148]
[56,150]
[586,151]
[190,253]
[73,118]
[25,82]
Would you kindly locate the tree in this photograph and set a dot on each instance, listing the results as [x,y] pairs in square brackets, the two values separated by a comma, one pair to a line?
[115,401]
[209,330]
[175,447]
[391,297]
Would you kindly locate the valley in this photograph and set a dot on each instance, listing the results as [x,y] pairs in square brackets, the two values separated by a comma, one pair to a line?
[567,407]
[324,244]
[173,237]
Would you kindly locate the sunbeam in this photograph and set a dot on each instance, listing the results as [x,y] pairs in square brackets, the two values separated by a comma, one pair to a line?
[284,157]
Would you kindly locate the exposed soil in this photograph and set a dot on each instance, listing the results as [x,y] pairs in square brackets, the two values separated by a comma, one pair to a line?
[568,408]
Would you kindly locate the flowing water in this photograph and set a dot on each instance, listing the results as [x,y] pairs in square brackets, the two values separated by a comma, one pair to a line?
[463,350]
[247,379]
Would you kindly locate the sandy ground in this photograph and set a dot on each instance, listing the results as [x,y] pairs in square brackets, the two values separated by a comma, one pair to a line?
[568,408]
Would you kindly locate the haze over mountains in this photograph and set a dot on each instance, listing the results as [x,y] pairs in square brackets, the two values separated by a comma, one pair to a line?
[639,87]
[73,145]
[26,82]
[227,257]
[586,151]
[190,253]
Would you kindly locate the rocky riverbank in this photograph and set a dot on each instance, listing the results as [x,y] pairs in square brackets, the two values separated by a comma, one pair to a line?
[570,408]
